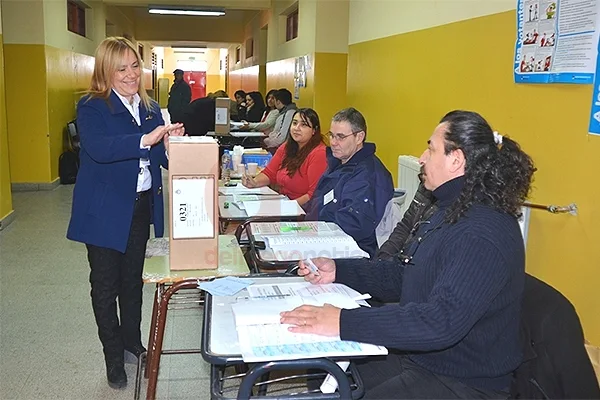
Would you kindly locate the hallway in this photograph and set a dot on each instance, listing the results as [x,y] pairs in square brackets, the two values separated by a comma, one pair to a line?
[48,343]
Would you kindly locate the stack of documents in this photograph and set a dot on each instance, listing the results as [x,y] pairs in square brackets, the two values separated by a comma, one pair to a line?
[301,240]
[241,189]
[263,338]
[271,207]
[239,199]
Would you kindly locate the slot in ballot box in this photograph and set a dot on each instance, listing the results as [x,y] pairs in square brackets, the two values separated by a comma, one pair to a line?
[193,202]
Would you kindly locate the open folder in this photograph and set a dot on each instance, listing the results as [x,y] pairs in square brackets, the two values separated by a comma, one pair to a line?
[263,338]
[290,241]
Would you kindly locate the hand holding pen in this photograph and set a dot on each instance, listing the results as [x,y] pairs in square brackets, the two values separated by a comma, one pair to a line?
[324,273]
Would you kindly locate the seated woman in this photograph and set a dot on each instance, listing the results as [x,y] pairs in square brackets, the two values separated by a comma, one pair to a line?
[255,107]
[299,163]
[270,114]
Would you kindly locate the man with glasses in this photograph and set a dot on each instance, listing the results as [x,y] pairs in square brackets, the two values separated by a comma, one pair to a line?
[356,187]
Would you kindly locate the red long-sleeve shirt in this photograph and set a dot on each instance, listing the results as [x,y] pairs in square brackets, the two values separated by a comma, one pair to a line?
[306,177]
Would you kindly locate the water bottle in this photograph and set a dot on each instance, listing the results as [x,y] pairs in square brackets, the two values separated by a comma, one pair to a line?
[225,162]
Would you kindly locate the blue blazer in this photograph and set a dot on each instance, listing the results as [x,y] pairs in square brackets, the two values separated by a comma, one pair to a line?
[105,190]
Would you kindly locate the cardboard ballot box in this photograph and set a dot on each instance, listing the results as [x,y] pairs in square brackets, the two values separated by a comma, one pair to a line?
[193,202]
[222,115]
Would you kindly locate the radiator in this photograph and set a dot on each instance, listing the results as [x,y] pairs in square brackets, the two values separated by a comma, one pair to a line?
[408,179]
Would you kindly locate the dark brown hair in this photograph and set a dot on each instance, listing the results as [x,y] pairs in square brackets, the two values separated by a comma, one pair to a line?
[294,155]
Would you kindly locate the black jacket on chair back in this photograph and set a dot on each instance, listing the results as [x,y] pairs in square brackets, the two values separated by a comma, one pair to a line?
[555,362]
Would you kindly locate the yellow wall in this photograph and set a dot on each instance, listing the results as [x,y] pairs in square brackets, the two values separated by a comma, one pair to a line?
[405,83]
[68,74]
[280,74]
[5,190]
[27,113]
[213,72]
[329,75]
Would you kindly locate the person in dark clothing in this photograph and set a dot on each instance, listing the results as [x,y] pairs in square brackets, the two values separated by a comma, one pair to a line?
[240,99]
[255,107]
[420,209]
[199,116]
[453,331]
[356,187]
[180,96]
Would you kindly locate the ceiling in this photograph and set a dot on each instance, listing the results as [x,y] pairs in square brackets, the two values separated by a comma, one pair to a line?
[239,10]
[227,4]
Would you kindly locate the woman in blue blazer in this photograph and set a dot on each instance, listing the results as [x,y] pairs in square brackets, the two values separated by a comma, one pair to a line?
[118,194]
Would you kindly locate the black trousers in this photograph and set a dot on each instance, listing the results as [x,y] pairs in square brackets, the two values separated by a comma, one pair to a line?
[116,275]
[397,377]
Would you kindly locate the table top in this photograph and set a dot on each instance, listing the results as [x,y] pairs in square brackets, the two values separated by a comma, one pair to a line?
[233,212]
[219,323]
[231,262]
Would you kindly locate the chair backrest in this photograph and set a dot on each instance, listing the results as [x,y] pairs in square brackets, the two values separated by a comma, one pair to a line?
[391,217]
[556,364]
[73,136]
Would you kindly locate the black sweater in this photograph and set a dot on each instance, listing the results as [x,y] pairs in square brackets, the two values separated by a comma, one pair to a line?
[458,299]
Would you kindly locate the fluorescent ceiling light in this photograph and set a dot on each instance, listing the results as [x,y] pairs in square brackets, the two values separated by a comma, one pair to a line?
[203,12]
[188,50]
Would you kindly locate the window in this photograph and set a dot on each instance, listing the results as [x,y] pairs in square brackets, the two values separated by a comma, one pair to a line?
[238,54]
[141,51]
[76,18]
[291,31]
[249,48]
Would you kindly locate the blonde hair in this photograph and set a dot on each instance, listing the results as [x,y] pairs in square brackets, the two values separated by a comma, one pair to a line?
[219,93]
[109,57]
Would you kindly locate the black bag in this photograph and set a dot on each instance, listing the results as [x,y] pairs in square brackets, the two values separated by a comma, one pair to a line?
[68,165]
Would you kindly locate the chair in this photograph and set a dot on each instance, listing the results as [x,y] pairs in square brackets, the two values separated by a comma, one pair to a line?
[556,364]
[73,136]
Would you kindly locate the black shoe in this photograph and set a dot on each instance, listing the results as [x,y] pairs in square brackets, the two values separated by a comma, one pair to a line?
[115,374]
[133,353]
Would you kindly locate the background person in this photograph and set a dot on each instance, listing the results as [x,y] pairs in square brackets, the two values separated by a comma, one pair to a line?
[297,165]
[240,99]
[270,114]
[180,96]
[118,194]
[355,189]
[281,129]
[255,107]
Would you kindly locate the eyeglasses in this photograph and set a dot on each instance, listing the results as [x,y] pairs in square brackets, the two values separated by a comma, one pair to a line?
[339,137]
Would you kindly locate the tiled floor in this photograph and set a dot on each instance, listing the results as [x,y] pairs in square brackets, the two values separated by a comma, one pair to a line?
[48,343]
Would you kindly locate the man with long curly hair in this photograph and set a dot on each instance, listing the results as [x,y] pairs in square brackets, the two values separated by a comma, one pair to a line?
[453,330]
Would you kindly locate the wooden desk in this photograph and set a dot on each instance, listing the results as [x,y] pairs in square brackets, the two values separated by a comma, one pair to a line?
[156,270]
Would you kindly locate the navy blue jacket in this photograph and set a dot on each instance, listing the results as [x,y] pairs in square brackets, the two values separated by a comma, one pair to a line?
[105,190]
[362,187]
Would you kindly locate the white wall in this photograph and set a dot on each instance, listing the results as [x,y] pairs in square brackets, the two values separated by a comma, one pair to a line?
[57,35]
[375,19]
[18,30]
[278,48]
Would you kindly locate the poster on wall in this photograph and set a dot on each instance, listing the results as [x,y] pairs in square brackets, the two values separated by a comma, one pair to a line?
[556,41]
[594,127]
